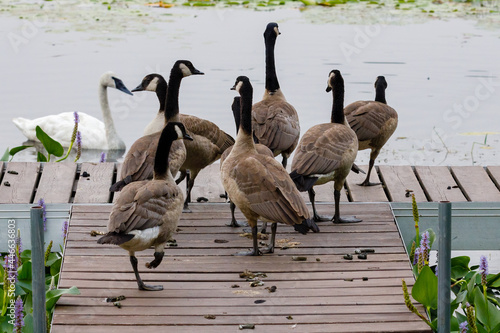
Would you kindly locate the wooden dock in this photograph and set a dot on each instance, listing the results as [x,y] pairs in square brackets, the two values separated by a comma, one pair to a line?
[27,182]
[203,290]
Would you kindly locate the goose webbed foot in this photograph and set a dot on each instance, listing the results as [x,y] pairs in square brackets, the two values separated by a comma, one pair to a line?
[253,252]
[147,287]
[349,219]
[157,260]
[186,208]
[140,284]
[320,218]
[236,224]
[366,182]
[268,249]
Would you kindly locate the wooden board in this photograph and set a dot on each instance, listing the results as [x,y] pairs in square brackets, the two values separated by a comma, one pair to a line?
[201,277]
[476,183]
[365,193]
[22,177]
[118,171]
[56,182]
[494,173]
[399,180]
[95,188]
[439,184]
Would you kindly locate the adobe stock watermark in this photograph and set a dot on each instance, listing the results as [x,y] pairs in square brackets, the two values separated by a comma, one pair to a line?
[363,37]
[28,31]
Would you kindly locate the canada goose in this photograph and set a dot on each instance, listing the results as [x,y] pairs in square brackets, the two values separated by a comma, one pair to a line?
[275,122]
[258,184]
[326,152]
[261,149]
[147,212]
[94,133]
[138,163]
[373,122]
[209,141]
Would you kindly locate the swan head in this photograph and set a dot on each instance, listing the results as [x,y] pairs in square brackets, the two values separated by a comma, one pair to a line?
[381,81]
[150,83]
[109,79]
[186,68]
[272,31]
[333,78]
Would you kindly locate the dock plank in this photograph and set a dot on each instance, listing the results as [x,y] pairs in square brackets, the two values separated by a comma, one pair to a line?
[476,183]
[494,172]
[399,180]
[439,184]
[365,193]
[21,177]
[325,293]
[95,188]
[56,182]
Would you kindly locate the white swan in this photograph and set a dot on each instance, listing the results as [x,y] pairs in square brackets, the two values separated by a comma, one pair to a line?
[95,133]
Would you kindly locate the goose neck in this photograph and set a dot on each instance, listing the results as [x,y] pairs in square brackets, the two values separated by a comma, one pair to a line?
[161,170]
[172,99]
[114,141]
[380,94]
[161,93]
[272,83]
[338,103]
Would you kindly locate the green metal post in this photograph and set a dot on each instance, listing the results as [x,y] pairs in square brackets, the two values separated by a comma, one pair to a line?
[444,267]
[38,270]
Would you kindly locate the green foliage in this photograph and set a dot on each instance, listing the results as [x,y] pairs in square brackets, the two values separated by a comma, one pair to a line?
[483,301]
[52,146]
[5,156]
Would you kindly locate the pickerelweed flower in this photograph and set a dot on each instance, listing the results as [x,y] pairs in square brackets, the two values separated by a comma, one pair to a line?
[10,267]
[19,247]
[75,128]
[41,203]
[65,226]
[19,317]
[415,256]
[483,269]
[103,157]
[436,270]
[463,327]
[47,252]
[415,216]
[425,247]
[78,145]
[471,317]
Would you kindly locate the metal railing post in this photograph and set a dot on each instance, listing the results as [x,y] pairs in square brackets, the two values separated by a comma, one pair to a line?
[444,267]
[38,270]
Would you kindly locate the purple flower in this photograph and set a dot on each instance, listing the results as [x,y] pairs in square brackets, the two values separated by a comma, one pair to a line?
[41,203]
[77,118]
[103,157]
[19,321]
[65,229]
[436,270]
[10,266]
[463,327]
[425,246]
[483,269]
[78,145]
[416,255]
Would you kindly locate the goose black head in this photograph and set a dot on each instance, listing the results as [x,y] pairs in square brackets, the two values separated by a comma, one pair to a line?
[179,130]
[381,81]
[272,31]
[187,68]
[333,77]
[242,85]
[150,83]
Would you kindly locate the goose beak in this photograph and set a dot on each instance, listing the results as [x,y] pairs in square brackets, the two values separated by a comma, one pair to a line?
[328,89]
[233,87]
[121,86]
[196,72]
[187,137]
[138,88]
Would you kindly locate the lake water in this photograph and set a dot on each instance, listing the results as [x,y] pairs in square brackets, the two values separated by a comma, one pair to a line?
[443,75]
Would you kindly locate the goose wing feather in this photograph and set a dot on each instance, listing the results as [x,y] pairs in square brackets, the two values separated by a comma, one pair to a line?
[276,124]
[269,189]
[142,205]
[209,130]
[367,118]
[322,148]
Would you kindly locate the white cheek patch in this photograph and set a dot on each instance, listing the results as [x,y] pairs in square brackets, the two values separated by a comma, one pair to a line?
[152,85]
[238,86]
[276,30]
[185,70]
[180,135]
[330,78]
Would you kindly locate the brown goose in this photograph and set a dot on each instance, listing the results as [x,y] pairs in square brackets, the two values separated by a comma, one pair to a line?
[209,141]
[275,121]
[326,152]
[261,149]
[373,122]
[138,163]
[147,212]
[258,184]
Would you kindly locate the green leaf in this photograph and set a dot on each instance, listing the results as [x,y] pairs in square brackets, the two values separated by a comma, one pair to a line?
[5,156]
[55,268]
[26,255]
[52,146]
[52,296]
[16,150]
[459,267]
[28,323]
[493,281]
[24,272]
[53,257]
[41,157]
[25,284]
[470,288]
[486,312]
[425,290]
